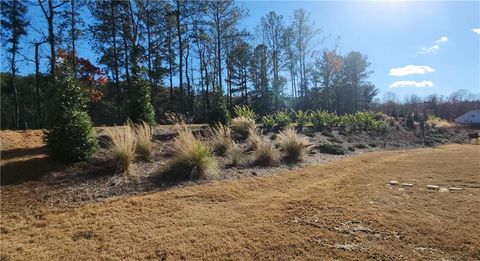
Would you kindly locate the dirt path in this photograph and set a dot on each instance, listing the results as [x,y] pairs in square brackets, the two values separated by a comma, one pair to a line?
[343,209]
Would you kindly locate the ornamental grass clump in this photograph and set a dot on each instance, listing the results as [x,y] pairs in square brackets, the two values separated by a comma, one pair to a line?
[121,145]
[292,144]
[235,154]
[241,126]
[264,151]
[220,137]
[192,159]
[144,147]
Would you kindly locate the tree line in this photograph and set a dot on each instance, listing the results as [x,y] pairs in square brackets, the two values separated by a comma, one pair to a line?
[188,57]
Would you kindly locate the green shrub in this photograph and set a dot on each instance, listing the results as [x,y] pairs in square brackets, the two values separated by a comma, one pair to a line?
[331,149]
[241,126]
[245,111]
[218,110]
[292,144]
[191,158]
[282,118]
[140,106]
[268,122]
[351,148]
[361,146]
[303,118]
[410,123]
[335,140]
[323,120]
[71,137]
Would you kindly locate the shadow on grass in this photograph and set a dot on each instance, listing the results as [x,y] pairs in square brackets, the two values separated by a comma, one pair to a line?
[25,170]
[23,152]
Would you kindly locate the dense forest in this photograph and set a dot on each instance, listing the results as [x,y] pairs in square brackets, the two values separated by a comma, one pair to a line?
[187,57]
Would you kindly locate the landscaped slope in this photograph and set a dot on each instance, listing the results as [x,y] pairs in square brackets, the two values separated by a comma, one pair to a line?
[342,209]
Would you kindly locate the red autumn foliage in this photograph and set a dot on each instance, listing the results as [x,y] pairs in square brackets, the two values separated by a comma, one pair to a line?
[90,75]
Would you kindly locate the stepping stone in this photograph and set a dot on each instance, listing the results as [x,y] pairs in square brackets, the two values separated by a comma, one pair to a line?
[393,182]
[453,189]
[443,189]
[433,187]
[407,184]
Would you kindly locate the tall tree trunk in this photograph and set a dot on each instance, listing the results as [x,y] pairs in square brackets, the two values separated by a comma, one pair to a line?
[51,37]
[37,84]
[115,61]
[180,53]
[73,36]
[14,87]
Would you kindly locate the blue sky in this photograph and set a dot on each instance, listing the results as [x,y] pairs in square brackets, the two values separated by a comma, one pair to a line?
[432,46]
[392,35]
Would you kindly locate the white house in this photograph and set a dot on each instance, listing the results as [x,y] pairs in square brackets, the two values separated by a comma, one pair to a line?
[471,117]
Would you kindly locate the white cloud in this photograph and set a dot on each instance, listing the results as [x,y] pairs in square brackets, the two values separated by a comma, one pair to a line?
[411,69]
[435,46]
[442,39]
[431,49]
[476,30]
[413,84]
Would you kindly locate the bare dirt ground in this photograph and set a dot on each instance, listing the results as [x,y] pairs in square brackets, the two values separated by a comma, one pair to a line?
[339,210]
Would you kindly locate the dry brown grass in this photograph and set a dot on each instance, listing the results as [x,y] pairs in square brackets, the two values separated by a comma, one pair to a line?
[144,147]
[220,137]
[301,214]
[292,144]
[241,126]
[264,153]
[192,159]
[235,155]
[121,145]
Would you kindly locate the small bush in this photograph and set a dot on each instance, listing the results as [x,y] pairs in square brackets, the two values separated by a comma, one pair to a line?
[335,140]
[191,158]
[241,126]
[144,147]
[220,137]
[282,118]
[331,149]
[245,111]
[292,144]
[361,146]
[265,153]
[302,118]
[351,148]
[121,145]
[322,120]
[268,122]
[410,123]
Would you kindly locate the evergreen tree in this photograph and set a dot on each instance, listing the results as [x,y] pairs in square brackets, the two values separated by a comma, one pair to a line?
[14,24]
[71,137]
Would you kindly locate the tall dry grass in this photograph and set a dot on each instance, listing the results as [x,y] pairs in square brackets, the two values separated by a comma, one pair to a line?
[192,159]
[292,144]
[220,137]
[241,126]
[121,146]
[144,146]
[235,154]
[264,151]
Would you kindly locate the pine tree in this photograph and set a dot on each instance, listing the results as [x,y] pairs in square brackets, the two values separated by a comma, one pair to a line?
[14,24]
